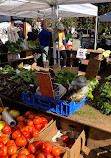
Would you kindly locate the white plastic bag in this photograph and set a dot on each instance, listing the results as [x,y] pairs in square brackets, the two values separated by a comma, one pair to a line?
[81,53]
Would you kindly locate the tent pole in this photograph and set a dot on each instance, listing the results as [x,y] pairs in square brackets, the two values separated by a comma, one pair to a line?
[58,41]
[24,23]
[53,26]
[12,21]
[96,29]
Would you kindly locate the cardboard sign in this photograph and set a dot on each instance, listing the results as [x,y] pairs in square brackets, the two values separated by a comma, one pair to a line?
[45,85]
[75,44]
[93,68]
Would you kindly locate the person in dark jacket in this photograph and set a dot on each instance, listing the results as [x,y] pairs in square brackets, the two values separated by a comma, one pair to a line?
[44,37]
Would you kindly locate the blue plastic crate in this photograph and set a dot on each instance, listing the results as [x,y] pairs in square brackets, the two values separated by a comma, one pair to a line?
[53,105]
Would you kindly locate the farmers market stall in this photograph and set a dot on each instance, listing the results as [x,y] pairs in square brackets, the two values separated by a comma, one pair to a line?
[32,10]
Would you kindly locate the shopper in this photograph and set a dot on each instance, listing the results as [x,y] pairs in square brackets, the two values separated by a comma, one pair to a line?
[62,44]
[44,37]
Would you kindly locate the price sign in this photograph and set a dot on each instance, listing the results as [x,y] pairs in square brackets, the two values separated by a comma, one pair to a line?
[81,53]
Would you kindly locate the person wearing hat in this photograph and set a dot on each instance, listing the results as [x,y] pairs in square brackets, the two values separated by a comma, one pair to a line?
[44,37]
[62,43]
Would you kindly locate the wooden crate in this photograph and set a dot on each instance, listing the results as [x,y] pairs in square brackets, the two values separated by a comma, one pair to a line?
[11,57]
[51,131]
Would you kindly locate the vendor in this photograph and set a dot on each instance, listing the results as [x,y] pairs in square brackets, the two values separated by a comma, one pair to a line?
[44,37]
[68,35]
[62,44]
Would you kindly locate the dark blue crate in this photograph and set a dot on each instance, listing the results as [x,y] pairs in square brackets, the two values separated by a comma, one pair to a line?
[53,105]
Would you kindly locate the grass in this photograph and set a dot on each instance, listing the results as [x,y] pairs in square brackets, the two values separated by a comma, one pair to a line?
[88,112]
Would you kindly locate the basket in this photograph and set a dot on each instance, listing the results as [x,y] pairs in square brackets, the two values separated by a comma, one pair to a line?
[52,105]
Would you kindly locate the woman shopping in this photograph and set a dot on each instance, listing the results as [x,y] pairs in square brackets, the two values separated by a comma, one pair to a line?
[62,44]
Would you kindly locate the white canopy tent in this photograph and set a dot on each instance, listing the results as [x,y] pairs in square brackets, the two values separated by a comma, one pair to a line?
[47,9]
[34,9]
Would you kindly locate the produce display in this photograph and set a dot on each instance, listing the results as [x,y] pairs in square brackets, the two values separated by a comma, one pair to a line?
[14,81]
[103,101]
[10,46]
[15,141]
[33,44]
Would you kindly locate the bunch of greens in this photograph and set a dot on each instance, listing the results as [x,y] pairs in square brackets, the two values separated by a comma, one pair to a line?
[103,101]
[64,76]
[7,69]
[28,76]
[11,46]
[92,86]
[33,44]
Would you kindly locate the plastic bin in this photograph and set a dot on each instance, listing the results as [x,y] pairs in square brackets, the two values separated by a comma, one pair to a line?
[53,105]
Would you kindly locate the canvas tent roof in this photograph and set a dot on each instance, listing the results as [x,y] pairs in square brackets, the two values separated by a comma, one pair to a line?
[105,17]
[22,8]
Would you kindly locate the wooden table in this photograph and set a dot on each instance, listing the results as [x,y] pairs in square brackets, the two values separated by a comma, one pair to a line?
[97,136]
[96,56]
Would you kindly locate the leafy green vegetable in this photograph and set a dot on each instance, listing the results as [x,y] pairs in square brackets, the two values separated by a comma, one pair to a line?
[64,76]
[33,44]
[92,86]
[28,76]
[103,102]
[7,69]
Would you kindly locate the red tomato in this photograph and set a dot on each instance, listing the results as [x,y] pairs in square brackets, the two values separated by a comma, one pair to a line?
[1,134]
[30,156]
[49,156]
[38,126]
[21,156]
[47,147]
[32,116]
[3,151]
[5,139]
[41,155]
[20,119]
[35,133]
[1,144]
[14,155]
[39,144]
[26,134]
[37,120]
[15,128]
[10,143]
[24,151]
[20,126]
[70,145]
[57,157]
[32,147]
[56,151]
[28,113]
[7,129]
[11,150]
[43,119]
[65,139]
[37,152]
[16,134]
[72,140]
[21,141]
[44,124]
[29,122]
[64,144]
[20,122]
[28,128]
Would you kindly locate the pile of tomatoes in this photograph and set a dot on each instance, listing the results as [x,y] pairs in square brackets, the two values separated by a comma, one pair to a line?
[44,150]
[12,139]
